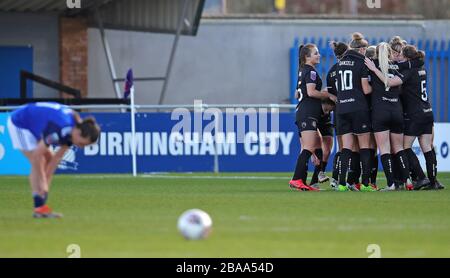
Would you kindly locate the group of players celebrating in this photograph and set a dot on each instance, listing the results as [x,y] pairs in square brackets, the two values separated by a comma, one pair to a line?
[380,102]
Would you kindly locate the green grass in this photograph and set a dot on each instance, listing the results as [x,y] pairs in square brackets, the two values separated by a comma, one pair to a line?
[120,216]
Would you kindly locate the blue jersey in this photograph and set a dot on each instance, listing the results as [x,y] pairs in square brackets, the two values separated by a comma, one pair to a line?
[51,122]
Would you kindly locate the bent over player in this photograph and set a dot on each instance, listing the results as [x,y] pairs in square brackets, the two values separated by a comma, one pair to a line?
[33,128]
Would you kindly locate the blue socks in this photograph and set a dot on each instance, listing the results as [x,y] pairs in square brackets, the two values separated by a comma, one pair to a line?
[39,200]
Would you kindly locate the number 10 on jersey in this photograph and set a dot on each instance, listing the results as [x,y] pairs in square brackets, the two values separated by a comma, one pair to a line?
[346,80]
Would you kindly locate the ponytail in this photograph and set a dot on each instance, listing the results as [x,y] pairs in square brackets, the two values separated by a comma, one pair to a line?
[300,62]
[383,59]
[421,55]
[339,48]
[410,52]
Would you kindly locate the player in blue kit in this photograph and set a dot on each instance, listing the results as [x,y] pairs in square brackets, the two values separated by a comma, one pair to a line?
[33,128]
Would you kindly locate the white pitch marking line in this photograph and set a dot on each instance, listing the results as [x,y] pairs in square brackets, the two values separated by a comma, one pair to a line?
[215,177]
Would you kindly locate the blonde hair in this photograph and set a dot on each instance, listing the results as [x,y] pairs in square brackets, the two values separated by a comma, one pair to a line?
[384,54]
[358,41]
[397,44]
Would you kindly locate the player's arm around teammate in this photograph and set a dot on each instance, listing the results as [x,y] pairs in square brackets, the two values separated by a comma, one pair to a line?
[353,110]
[387,117]
[419,121]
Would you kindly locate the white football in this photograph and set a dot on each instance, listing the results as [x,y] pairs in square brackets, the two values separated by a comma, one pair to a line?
[194,224]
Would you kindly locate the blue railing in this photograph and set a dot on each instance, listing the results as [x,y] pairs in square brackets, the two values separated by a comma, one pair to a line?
[437,64]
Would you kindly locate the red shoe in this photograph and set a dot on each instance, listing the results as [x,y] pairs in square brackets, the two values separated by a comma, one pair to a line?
[409,187]
[45,212]
[358,186]
[300,186]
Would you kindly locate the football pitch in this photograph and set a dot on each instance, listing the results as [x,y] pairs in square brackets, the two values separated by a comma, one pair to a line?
[254,215]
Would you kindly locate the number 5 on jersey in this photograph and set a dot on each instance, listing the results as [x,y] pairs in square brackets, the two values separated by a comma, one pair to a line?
[423,87]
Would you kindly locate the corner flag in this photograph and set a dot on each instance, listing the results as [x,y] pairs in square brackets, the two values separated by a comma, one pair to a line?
[128,84]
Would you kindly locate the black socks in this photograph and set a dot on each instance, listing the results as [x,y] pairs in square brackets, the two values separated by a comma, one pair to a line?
[414,165]
[366,161]
[354,168]
[343,166]
[317,169]
[401,160]
[337,159]
[374,172]
[430,158]
[301,169]
[386,161]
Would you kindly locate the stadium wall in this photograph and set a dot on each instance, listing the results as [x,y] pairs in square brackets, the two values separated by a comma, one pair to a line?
[40,32]
[270,148]
[230,61]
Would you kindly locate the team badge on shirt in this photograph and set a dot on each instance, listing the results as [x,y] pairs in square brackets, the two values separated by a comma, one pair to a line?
[52,139]
[313,75]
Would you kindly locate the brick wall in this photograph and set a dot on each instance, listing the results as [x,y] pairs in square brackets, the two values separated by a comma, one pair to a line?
[74,54]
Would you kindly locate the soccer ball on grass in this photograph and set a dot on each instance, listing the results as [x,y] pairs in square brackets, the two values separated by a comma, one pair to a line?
[194,224]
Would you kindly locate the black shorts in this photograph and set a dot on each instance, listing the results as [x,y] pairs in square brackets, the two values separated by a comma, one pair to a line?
[384,120]
[307,124]
[307,120]
[326,126]
[336,125]
[355,123]
[418,128]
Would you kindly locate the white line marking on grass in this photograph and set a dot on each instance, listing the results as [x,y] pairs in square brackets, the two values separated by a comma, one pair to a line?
[118,176]
[183,177]
[246,218]
[216,177]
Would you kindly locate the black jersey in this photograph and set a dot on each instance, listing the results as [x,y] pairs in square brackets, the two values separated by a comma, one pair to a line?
[332,80]
[369,97]
[349,72]
[309,75]
[383,98]
[415,95]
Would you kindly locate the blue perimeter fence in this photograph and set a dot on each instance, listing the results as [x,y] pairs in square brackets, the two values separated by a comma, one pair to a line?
[437,65]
